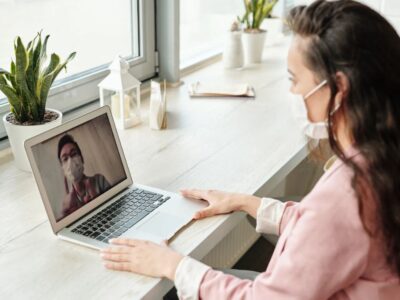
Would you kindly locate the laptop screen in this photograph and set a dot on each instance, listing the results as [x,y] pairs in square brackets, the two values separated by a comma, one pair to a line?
[79,165]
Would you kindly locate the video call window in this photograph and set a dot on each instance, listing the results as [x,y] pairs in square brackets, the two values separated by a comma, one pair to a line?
[79,165]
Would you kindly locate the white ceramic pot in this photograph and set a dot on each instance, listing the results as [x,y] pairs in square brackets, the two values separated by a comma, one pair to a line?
[253,45]
[233,52]
[18,134]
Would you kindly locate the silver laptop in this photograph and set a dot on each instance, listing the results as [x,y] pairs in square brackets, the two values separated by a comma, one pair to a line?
[88,191]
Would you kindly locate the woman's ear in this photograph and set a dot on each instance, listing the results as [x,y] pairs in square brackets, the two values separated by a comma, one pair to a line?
[343,86]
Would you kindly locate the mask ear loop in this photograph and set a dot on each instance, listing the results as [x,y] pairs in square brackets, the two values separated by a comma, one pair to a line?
[315,89]
[335,109]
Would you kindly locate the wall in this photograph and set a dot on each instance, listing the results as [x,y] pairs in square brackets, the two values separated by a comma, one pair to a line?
[389,8]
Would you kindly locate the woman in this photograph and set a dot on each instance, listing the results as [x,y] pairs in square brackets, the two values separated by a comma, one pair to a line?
[343,240]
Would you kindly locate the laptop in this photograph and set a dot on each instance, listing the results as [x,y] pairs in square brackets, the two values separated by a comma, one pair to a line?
[87,189]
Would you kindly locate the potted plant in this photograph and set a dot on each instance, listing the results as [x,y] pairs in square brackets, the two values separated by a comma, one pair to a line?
[26,87]
[253,35]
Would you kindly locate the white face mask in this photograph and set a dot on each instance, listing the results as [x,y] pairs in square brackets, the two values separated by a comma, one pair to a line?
[314,130]
[73,168]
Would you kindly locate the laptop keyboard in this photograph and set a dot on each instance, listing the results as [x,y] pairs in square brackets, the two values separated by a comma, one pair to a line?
[120,216]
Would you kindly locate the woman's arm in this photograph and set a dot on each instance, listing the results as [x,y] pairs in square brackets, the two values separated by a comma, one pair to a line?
[271,214]
[326,251]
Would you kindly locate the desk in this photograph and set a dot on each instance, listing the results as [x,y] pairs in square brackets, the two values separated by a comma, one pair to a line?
[235,145]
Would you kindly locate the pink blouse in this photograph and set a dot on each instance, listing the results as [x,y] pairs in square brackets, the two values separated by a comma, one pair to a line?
[323,252]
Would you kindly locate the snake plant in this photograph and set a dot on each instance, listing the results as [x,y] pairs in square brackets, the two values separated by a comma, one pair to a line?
[28,82]
[256,12]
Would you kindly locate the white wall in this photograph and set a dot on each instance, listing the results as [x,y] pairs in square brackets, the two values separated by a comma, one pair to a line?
[389,8]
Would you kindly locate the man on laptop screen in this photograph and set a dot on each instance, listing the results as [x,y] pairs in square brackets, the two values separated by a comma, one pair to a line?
[79,165]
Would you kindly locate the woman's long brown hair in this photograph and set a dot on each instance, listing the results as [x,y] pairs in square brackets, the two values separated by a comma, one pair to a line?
[349,37]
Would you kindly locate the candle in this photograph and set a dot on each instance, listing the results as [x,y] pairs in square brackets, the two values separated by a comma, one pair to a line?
[115,105]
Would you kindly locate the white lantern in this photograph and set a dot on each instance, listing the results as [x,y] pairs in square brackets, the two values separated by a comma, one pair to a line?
[121,91]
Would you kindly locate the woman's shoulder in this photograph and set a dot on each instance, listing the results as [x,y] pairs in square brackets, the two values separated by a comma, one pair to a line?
[334,197]
[335,183]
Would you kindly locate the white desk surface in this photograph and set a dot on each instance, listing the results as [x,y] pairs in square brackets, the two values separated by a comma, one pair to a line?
[234,145]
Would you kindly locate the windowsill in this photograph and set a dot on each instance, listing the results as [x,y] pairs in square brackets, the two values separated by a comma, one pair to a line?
[5,153]
[200,61]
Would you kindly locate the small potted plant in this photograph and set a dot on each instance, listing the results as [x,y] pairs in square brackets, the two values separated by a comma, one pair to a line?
[26,87]
[253,35]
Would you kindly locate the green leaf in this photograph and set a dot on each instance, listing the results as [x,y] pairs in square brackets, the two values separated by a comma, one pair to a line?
[64,64]
[31,44]
[54,62]
[44,47]
[258,14]
[245,18]
[253,4]
[13,99]
[36,64]
[12,77]
[45,85]
[45,79]
[267,9]
[12,67]
[30,72]
[247,5]
[11,81]
[49,79]
[21,57]
[34,105]
[21,61]
[2,80]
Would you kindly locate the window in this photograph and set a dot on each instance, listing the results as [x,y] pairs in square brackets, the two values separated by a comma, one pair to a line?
[203,27]
[97,30]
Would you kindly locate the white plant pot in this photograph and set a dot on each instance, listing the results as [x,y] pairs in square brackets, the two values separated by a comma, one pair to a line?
[18,134]
[253,45]
[233,52]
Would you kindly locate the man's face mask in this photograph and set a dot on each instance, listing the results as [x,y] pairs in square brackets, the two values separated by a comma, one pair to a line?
[314,130]
[73,168]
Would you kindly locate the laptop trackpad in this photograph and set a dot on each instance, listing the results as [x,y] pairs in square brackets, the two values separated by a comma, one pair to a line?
[161,224]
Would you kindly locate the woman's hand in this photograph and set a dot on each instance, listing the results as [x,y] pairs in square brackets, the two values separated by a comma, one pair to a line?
[142,257]
[222,202]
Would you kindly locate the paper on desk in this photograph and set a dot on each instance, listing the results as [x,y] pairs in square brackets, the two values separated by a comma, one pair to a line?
[220,90]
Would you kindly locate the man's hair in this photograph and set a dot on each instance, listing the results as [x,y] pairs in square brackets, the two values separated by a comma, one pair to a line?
[67,139]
